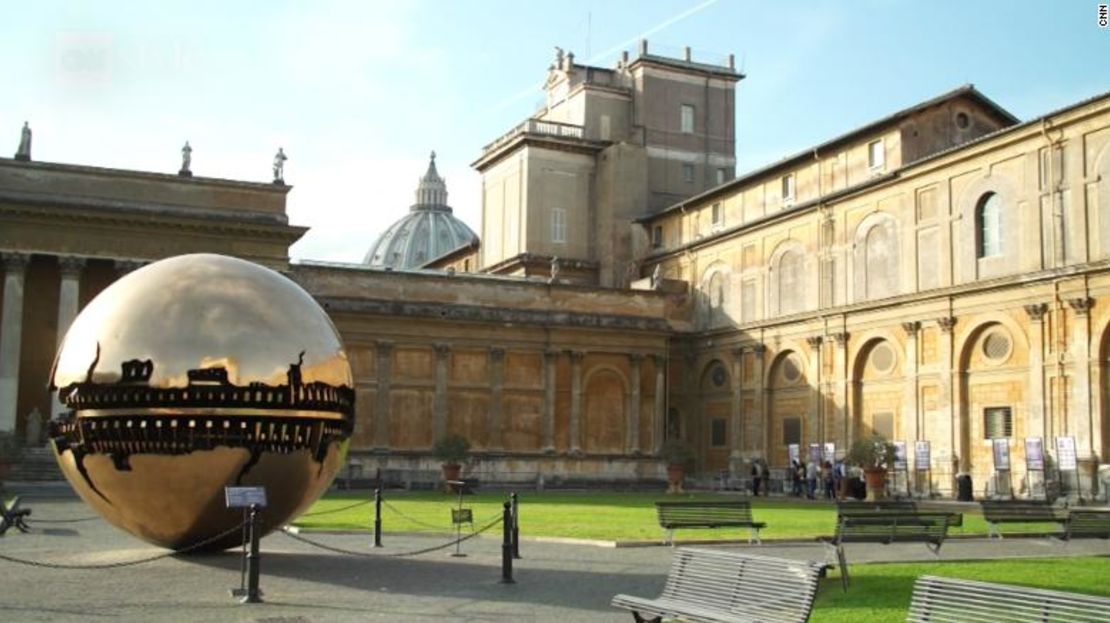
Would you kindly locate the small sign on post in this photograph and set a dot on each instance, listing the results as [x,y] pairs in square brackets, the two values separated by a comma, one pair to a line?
[1034,465]
[245,497]
[251,500]
[921,465]
[815,453]
[830,452]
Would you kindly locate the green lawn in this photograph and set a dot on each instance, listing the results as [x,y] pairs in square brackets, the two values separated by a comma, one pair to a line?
[606,516]
[881,592]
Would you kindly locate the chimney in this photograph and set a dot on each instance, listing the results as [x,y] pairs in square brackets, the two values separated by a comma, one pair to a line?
[643,47]
[732,61]
[687,54]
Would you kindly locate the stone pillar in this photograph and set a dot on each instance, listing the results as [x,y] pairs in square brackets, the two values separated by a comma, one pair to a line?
[763,426]
[910,392]
[1080,424]
[123,267]
[814,433]
[384,350]
[634,360]
[842,425]
[11,335]
[1035,399]
[495,438]
[550,361]
[68,293]
[575,433]
[735,415]
[950,425]
[659,423]
[439,401]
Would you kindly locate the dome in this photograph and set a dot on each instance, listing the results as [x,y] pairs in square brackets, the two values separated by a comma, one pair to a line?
[428,231]
[192,374]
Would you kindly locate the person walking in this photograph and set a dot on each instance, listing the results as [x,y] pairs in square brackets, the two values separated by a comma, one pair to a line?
[757,477]
[811,480]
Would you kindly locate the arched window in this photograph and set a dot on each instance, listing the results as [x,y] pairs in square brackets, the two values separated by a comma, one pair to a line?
[790,282]
[881,260]
[988,226]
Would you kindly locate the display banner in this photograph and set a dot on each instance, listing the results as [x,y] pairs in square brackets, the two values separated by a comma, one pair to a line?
[1034,454]
[793,451]
[921,455]
[1065,454]
[1001,447]
[830,451]
[814,453]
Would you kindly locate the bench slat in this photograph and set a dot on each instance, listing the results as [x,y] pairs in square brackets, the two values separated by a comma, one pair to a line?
[944,600]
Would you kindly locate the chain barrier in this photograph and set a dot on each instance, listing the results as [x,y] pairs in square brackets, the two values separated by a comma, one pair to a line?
[79,519]
[337,510]
[350,552]
[411,518]
[129,563]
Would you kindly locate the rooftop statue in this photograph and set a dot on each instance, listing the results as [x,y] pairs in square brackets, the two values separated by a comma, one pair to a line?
[24,150]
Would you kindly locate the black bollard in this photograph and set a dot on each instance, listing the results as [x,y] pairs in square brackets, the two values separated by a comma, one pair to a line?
[378,517]
[507,545]
[254,595]
[516,526]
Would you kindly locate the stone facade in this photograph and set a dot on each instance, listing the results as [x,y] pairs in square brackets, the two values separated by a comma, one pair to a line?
[940,275]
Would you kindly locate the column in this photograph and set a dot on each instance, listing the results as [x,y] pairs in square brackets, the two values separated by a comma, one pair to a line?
[439,401]
[634,360]
[384,350]
[495,439]
[576,357]
[1079,396]
[763,426]
[550,361]
[910,391]
[950,426]
[68,293]
[842,426]
[11,335]
[737,420]
[1035,399]
[659,426]
[816,409]
[124,267]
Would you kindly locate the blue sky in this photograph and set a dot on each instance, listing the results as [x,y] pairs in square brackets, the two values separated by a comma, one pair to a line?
[358,93]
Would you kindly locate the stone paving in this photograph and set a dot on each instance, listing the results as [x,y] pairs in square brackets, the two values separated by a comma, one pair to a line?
[301,583]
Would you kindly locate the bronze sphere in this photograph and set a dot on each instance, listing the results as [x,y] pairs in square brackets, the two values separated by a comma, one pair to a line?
[196,373]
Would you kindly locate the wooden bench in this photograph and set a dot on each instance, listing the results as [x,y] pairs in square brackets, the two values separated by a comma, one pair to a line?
[955,519]
[1093,523]
[1008,511]
[941,600]
[13,516]
[724,514]
[727,586]
[930,528]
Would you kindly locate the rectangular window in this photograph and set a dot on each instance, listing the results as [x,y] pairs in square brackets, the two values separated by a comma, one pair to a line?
[657,236]
[605,127]
[791,430]
[788,189]
[722,175]
[882,424]
[718,438]
[688,173]
[558,225]
[998,422]
[687,119]
[718,216]
[876,157]
[466,266]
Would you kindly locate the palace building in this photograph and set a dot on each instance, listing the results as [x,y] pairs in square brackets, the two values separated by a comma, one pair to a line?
[941,275]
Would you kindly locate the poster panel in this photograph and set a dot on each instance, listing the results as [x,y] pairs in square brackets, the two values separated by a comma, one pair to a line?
[900,456]
[830,451]
[814,453]
[793,451]
[1001,448]
[1065,454]
[1034,454]
[921,455]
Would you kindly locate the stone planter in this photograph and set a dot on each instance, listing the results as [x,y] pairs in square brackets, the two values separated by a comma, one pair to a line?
[451,471]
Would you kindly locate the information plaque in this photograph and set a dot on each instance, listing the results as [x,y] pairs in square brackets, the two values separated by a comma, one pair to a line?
[1065,454]
[245,497]
[900,456]
[814,453]
[1001,447]
[1034,454]
[921,455]
[830,451]
[793,450]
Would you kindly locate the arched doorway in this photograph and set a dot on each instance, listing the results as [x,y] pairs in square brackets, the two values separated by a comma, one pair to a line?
[715,390]
[993,367]
[789,401]
[879,388]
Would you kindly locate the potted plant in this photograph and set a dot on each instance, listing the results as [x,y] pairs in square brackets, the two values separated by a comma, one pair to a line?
[874,455]
[10,451]
[679,458]
[451,449]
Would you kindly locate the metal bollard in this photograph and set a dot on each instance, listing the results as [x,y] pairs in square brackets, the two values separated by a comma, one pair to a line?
[378,517]
[507,545]
[516,526]
[254,595]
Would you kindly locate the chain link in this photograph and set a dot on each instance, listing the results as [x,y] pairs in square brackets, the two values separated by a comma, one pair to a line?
[336,510]
[115,565]
[350,552]
[79,519]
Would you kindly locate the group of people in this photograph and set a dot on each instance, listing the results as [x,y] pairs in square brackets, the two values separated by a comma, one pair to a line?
[829,480]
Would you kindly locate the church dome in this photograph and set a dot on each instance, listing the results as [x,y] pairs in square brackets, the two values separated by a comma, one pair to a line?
[428,231]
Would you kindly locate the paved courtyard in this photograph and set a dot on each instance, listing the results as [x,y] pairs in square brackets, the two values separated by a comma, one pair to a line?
[554,581]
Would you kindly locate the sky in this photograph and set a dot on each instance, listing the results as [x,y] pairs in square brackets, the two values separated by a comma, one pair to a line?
[358,93]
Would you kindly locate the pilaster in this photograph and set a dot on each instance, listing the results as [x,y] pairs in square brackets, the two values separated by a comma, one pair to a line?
[495,436]
[11,335]
[384,352]
[635,361]
[576,357]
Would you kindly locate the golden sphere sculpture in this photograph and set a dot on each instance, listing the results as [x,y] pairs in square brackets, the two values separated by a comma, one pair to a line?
[196,373]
